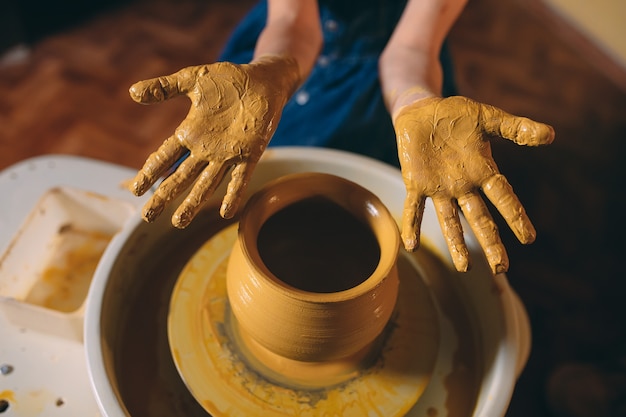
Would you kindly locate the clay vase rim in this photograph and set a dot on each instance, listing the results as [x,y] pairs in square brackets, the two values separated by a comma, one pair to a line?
[293,188]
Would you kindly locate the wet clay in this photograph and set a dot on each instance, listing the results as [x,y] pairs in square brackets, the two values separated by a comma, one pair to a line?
[303,375]
[318,246]
[234,112]
[313,275]
[445,154]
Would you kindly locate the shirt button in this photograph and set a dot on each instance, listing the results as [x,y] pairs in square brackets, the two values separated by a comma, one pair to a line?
[331,25]
[323,61]
[302,97]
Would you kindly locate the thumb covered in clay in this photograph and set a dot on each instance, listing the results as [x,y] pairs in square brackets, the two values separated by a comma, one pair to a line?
[164,87]
[520,130]
[445,154]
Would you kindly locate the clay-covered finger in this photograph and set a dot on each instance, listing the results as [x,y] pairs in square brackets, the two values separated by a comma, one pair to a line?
[450,223]
[501,194]
[486,231]
[520,130]
[172,187]
[412,220]
[240,177]
[202,190]
[156,165]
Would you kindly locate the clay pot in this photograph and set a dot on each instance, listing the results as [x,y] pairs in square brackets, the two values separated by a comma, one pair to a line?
[312,276]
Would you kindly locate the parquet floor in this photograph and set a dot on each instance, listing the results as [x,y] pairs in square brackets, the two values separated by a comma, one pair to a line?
[69,95]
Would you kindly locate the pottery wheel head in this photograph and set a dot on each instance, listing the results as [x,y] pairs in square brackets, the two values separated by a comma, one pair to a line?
[226,380]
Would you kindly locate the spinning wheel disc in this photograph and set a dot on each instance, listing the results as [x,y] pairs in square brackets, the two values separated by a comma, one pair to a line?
[212,362]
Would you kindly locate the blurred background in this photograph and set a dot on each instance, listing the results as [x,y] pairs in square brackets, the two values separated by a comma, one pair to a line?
[66,66]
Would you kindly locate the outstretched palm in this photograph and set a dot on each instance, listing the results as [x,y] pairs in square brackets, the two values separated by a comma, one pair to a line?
[233,115]
[445,154]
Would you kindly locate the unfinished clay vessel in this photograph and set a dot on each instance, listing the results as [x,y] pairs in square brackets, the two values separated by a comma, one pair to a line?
[312,277]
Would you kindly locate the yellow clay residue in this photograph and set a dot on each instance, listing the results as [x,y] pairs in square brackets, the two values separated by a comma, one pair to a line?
[64,283]
[7,395]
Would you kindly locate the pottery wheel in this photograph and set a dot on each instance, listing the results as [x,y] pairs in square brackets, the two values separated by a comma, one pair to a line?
[210,359]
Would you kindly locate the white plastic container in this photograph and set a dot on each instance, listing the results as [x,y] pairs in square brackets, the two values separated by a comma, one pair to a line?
[58,214]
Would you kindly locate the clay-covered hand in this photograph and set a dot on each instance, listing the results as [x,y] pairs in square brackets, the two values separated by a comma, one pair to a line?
[234,112]
[445,154]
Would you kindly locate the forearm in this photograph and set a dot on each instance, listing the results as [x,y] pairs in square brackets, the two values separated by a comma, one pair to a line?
[292,30]
[409,66]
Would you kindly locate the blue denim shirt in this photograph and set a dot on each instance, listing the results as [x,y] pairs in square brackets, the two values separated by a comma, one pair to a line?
[340,105]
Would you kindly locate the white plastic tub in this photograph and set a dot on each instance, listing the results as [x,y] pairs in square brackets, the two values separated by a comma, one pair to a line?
[478,313]
[57,216]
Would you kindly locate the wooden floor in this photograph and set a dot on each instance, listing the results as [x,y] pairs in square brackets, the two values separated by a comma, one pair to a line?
[69,95]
